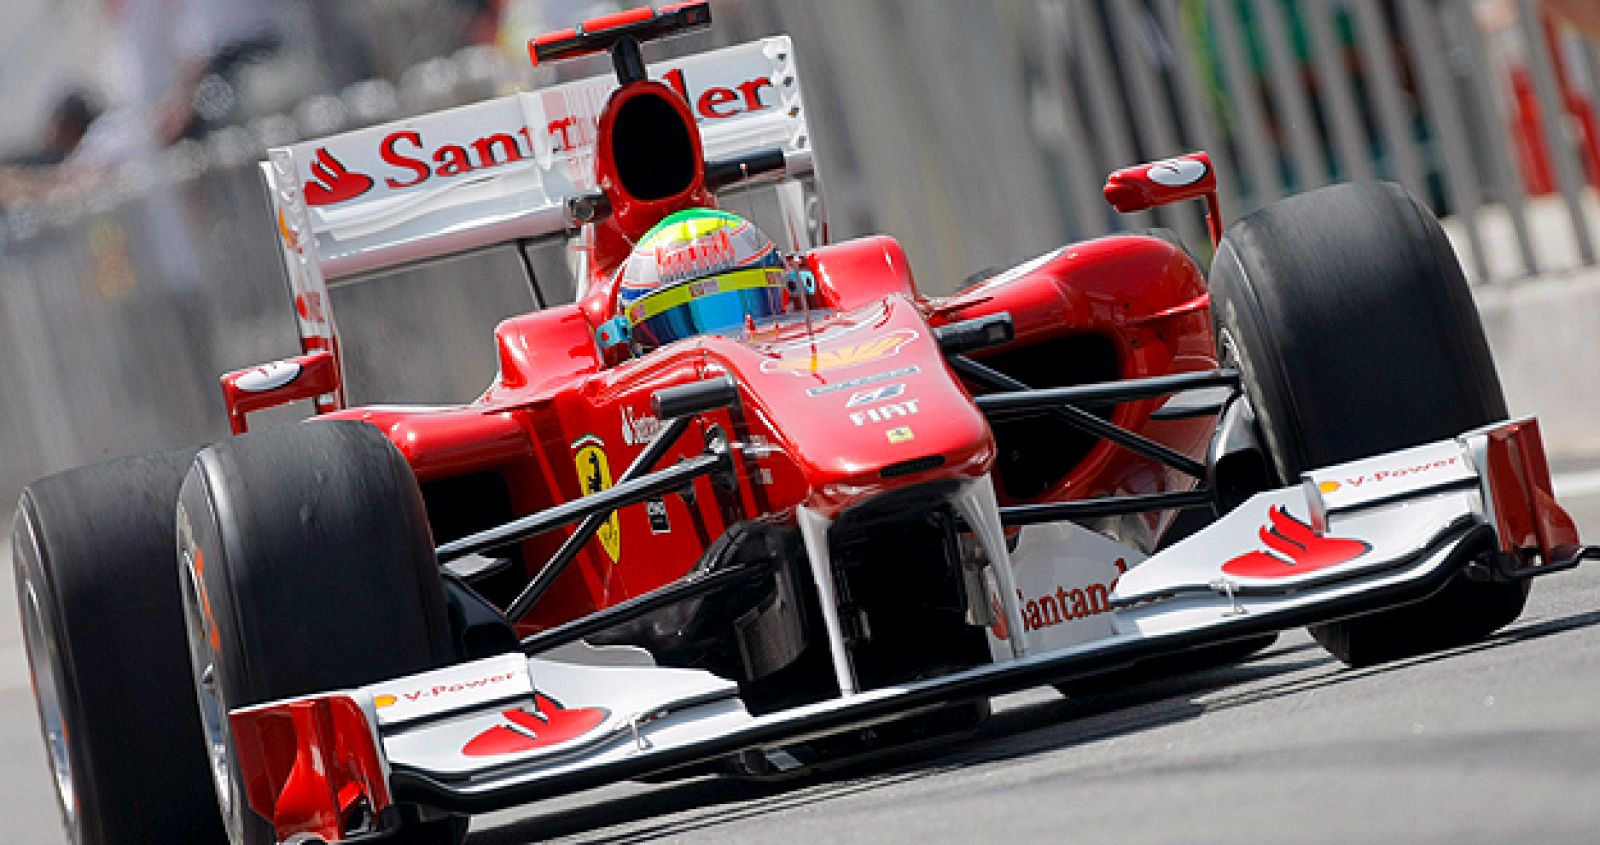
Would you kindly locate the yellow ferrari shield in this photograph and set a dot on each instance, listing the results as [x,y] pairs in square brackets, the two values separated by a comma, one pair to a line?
[594,475]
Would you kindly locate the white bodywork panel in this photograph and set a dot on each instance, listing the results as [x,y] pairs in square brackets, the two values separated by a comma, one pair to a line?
[481,726]
[501,170]
[598,709]
[1065,574]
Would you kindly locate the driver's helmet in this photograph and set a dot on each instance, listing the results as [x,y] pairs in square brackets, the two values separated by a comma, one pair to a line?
[699,271]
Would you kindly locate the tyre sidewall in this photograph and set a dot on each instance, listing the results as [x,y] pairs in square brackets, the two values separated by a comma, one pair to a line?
[95,546]
[318,571]
[203,561]
[1349,352]
[33,575]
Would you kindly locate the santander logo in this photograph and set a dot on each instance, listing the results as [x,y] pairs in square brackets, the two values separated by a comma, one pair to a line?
[1060,606]
[1293,549]
[523,730]
[331,182]
[410,159]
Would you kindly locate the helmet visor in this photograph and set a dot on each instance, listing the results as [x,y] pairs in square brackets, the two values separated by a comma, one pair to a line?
[707,305]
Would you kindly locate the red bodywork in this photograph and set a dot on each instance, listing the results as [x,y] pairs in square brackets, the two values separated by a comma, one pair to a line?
[555,397]
[563,418]
[838,404]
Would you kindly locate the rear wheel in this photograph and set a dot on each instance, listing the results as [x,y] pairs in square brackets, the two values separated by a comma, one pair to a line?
[1352,322]
[308,566]
[103,628]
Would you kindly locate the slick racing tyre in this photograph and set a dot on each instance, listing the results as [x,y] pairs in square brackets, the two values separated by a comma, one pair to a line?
[307,566]
[1352,322]
[103,627]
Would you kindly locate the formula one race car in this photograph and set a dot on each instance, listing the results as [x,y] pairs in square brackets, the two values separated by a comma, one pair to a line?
[747,509]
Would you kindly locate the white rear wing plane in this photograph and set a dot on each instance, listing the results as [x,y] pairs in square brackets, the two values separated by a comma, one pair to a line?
[508,170]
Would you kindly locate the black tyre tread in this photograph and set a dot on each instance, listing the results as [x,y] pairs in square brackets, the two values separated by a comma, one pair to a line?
[326,577]
[331,521]
[1412,302]
[1357,335]
[104,567]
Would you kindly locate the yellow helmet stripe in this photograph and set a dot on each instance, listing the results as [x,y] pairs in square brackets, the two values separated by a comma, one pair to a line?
[674,296]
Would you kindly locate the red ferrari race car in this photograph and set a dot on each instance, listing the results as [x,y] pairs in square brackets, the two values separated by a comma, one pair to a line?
[749,508]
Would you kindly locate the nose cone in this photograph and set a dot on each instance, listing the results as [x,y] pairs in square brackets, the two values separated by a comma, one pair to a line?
[862,402]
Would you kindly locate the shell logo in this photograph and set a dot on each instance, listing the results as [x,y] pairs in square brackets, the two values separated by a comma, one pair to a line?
[383,701]
[1328,487]
[291,239]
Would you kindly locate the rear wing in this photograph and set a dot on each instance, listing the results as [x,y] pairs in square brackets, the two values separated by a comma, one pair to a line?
[518,168]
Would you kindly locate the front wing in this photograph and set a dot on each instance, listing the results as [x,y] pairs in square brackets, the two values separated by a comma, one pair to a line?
[510,729]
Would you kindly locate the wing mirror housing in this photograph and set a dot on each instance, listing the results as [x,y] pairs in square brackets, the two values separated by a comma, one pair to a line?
[280,382]
[1186,177]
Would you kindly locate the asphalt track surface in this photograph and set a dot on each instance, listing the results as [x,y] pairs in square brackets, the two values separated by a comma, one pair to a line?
[1497,742]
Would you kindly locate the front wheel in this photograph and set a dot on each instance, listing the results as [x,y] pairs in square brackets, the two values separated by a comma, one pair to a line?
[308,566]
[102,625]
[1356,333]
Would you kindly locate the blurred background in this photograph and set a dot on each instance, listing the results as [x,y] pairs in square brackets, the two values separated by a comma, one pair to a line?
[138,261]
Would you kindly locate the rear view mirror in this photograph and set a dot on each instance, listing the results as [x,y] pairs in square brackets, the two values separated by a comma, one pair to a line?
[277,383]
[1187,177]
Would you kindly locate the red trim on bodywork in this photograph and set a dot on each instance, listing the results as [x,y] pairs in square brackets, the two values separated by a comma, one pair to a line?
[1200,304]
[598,34]
[306,764]
[602,23]
[318,375]
[1527,517]
[546,40]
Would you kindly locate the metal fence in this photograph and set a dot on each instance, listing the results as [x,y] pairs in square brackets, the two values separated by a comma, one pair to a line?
[1469,105]
[978,133]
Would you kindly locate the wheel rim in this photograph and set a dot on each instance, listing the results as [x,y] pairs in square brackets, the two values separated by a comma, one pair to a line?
[43,657]
[203,669]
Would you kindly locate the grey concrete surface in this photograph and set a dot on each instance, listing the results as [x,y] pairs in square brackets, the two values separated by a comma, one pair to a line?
[1492,743]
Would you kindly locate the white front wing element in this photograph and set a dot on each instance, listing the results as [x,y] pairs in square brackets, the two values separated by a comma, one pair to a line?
[1065,575]
[1267,545]
[508,729]
[579,709]
[1341,522]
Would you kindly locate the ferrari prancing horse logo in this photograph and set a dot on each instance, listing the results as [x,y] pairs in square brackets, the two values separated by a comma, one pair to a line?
[594,475]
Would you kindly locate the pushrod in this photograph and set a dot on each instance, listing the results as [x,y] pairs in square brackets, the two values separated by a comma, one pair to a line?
[1106,393]
[1081,419]
[603,502]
